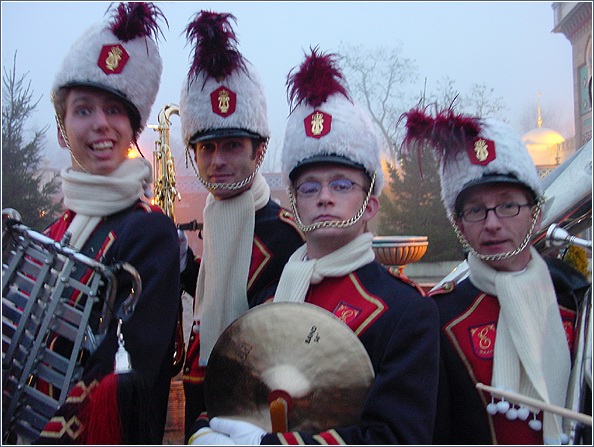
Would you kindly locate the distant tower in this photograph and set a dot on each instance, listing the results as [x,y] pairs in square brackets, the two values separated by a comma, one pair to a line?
[544,145]
[539,119]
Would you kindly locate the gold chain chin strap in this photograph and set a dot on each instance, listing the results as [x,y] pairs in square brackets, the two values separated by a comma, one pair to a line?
[226,186]
[329,223]
[500,256]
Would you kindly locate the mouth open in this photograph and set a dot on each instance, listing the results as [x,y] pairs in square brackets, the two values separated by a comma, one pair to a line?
[102,146]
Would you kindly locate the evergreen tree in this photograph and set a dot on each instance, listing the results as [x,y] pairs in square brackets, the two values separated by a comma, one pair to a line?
[23,185]
[411,206]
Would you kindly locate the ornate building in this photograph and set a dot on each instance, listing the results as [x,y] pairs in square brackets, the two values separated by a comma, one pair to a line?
[574,20]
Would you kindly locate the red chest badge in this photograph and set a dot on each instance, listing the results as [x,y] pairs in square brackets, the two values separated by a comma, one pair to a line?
[112,59]
[346,312]
[223,101]
[317,124]
[483,340]
[481,151]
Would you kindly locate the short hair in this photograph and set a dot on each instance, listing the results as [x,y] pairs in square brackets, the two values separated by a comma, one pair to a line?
[59,100]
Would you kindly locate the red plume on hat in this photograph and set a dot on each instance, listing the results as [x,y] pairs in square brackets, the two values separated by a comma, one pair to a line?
[215,46]
[470,150]
[136,19]
[325,124]
[317,78]
[222,95]
[447,133]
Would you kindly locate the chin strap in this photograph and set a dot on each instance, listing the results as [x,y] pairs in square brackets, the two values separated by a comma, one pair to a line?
[328,223]
[227,186]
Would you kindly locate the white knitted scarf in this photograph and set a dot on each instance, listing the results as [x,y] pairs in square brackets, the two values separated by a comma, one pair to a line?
[299,273]
[95,196]
[531,352]
[221,291]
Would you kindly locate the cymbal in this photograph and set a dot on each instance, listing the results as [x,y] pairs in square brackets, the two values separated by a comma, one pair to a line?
[296,348]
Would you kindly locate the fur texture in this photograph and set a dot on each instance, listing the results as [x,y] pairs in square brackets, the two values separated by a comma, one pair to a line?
[512,158]
[353,135]
[217,63]
[139,81]
[448,133]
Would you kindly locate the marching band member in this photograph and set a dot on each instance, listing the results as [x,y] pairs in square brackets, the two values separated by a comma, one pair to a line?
[247,236]
[332,164]
[103,96]
[507,324]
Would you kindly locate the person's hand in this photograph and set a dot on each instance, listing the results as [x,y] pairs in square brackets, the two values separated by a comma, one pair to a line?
[207,436]
[182,239]
[241,432]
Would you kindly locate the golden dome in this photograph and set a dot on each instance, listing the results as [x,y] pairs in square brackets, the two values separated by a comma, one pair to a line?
[543,145]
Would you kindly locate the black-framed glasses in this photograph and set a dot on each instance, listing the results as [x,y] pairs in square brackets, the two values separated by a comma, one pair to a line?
[503,210]
[339,185]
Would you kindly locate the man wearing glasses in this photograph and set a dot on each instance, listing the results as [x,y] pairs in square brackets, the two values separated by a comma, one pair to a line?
[507,324]
[331,161]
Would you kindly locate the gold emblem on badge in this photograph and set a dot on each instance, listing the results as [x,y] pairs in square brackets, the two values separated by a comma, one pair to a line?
[224,101]
[481,150]
[113,58]
[317,123]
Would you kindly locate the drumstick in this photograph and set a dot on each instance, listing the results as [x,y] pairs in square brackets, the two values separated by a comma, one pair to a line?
[280,405]
[521,399]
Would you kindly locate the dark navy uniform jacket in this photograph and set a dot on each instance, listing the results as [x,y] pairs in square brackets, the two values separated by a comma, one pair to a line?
[468,319]
[399,329]
[146,238]
[276,237]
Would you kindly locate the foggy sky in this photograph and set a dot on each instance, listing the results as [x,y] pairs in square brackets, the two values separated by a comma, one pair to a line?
[506,45]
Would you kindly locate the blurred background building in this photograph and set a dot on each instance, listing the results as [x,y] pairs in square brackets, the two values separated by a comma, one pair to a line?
[574,21]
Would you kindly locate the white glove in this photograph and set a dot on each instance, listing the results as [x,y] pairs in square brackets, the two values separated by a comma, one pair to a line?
[182,239]
[241,432]
[207,436]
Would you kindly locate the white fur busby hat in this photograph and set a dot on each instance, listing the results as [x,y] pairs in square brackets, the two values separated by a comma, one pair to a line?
[325,125]
[472,151]
[223,95]
[120,57]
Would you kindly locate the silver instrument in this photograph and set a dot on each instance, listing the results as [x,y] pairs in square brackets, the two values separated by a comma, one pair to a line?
[580,381]
[568,193]
[577,425]
[39,280]
[558,237]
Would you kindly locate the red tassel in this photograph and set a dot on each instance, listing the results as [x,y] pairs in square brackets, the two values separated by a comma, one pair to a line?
[101,417]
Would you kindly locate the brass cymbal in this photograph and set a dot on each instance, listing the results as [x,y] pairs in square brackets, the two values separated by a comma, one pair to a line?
[297,348]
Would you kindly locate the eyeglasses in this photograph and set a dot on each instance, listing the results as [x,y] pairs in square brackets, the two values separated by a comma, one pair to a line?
[339,185]
[503,210]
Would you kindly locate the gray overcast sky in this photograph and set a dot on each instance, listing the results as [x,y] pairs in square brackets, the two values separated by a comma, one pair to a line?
[506,45]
